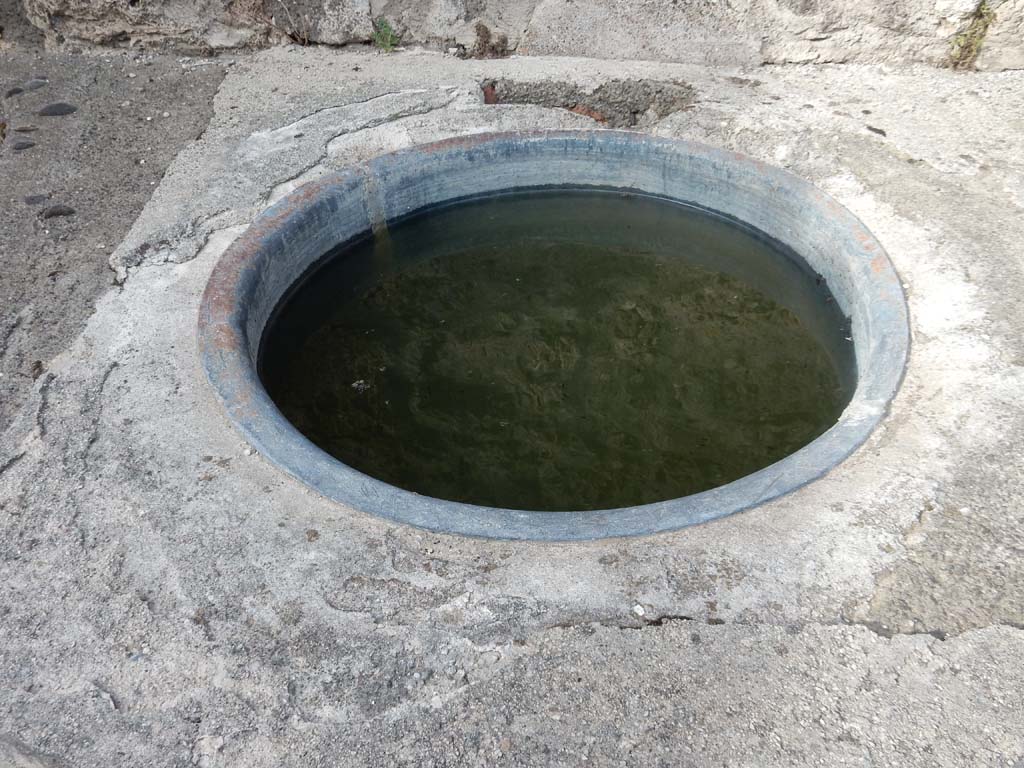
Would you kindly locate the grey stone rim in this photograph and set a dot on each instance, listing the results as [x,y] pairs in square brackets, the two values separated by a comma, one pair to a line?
[289,238]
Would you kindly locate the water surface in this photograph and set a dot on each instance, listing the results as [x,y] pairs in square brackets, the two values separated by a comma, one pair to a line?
[560,350]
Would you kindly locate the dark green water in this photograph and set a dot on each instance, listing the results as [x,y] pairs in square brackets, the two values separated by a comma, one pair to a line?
[560,351]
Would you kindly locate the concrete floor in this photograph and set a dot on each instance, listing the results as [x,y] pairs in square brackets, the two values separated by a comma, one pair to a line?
[168,598]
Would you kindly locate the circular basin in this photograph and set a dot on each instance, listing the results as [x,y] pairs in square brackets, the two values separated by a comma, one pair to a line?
[293,245]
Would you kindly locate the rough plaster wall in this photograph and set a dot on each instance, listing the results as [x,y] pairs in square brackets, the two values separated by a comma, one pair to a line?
[755,31]
[688,31]
[331,22]
[1004,42]
[198,23]
[201,24]
[454,21]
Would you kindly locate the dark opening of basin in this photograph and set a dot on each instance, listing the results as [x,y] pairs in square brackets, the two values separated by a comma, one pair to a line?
[555,335]
[560,350]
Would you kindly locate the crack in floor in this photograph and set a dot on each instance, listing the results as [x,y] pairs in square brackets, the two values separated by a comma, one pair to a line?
[637,623]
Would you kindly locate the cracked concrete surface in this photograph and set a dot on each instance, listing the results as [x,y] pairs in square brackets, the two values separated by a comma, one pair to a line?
[169,598]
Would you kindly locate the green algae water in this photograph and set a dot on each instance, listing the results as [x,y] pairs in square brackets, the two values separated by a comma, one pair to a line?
[560,350]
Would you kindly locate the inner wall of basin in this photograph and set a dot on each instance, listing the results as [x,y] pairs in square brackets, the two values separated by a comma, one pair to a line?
[394,186]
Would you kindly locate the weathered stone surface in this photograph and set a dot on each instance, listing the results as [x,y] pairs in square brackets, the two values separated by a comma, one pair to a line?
[202,24]
[685,31]
[330,22]
[449,22]
[747,32]
[750,32]
[1003,46]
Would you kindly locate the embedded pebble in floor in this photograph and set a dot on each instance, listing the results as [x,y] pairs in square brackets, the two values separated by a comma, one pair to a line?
[57,110]
[57,210]
[20,145]
[29,85]
[36,199]
[25,129]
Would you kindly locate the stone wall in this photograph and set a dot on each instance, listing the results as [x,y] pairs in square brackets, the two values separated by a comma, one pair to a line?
[689,31]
